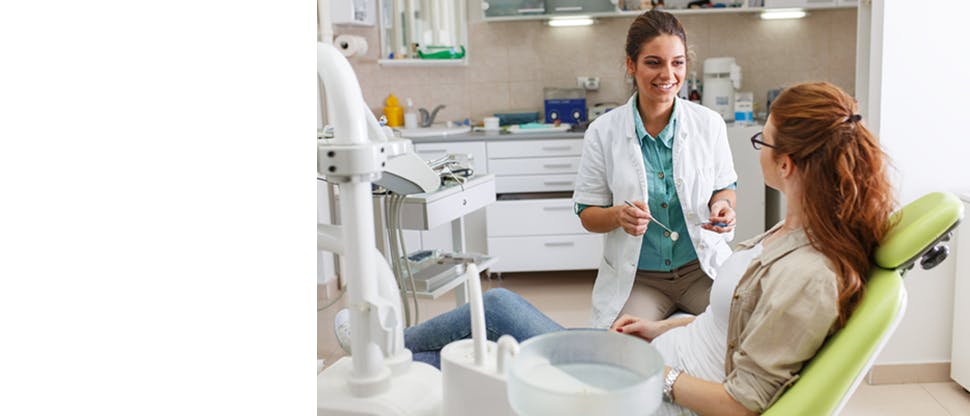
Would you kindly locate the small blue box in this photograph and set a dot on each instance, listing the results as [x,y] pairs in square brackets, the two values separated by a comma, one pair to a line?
[571,110]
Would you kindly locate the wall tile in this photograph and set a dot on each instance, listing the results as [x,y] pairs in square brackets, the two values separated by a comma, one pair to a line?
[511,62]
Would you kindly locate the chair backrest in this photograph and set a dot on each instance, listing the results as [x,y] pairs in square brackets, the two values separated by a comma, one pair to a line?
[829,379]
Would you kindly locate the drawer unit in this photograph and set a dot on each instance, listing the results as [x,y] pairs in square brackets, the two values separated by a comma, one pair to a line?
[535,148]
[427,211]
[535,183]
[529,232]
[532,217]
[535,166]
[431,151]
[542,253]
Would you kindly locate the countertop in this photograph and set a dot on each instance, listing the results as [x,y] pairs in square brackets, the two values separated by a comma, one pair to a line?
[492,136]
[483,136]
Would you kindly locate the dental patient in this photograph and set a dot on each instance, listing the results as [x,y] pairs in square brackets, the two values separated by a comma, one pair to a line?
[779,295]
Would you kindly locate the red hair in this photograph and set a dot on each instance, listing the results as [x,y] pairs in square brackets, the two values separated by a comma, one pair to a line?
[847,196]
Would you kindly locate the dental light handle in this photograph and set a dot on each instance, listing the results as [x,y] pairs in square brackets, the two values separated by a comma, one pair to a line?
[477,312]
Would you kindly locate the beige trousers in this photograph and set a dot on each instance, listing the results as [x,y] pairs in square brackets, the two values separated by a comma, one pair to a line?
[656,295]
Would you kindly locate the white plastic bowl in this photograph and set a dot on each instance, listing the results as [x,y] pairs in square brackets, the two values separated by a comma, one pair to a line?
[585,372]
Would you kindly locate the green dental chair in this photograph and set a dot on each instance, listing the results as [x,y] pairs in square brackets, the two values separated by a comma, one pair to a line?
[829,379]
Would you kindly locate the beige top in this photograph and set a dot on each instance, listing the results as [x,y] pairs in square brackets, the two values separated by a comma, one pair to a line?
[784,307]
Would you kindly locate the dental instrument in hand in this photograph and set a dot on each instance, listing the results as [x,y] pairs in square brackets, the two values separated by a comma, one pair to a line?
[673,234]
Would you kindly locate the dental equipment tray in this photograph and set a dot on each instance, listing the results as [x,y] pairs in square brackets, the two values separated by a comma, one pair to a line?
[439,272]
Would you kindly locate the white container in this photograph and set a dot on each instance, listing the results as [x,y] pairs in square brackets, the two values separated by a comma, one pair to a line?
[585,372]
[744,108]
[721,77]
[491,123]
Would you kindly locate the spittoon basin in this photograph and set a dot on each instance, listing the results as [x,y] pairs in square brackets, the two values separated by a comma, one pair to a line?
[433,131]
[585,372]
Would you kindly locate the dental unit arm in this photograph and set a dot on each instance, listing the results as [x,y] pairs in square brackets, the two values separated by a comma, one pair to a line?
[380,377]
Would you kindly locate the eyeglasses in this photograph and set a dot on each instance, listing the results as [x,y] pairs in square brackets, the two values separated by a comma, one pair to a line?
[757,143]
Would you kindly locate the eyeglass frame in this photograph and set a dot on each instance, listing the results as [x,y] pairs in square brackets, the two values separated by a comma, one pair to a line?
[756,144]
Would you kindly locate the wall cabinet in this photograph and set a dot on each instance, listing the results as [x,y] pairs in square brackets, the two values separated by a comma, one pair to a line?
[527,8]
[580,6]
[513,8]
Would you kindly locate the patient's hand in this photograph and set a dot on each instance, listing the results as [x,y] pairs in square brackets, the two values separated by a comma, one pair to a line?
[648,330]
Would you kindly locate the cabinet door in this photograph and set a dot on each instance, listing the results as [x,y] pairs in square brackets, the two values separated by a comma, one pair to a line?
[512,8]
[579,6]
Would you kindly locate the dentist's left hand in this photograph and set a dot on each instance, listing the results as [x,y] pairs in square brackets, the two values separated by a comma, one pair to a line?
[721,213]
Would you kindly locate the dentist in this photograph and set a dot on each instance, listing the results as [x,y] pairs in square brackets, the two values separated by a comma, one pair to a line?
[671,158]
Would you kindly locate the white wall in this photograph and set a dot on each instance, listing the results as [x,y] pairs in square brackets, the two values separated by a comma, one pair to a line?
[922,117]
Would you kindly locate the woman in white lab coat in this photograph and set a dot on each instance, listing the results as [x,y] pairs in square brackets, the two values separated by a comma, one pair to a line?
[671,159]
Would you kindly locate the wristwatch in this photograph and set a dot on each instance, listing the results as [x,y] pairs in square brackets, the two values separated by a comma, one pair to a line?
[669,384]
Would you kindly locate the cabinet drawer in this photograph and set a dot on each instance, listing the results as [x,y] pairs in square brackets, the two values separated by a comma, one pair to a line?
[535,148]
[535,183]
[431,151]
[565,252]
[532,166]
[532,217]
[427,211]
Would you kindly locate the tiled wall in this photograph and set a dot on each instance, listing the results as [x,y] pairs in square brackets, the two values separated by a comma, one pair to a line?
[511,62]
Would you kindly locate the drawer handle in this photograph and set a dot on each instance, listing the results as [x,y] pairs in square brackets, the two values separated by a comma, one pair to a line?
[533,10]
[557,208]
[561,244]
[554,183]
[569,8]
[433,151]
[555,148]
[557,165]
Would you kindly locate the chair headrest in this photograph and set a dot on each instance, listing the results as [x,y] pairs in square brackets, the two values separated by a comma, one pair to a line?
[919,226]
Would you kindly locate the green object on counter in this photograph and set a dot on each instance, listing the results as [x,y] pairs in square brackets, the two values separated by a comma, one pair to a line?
[441,52]
[533,125]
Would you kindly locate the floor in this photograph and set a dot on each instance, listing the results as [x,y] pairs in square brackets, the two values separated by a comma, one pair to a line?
[568,302]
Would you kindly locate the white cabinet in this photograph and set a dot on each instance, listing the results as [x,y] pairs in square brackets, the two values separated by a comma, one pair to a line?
[751,193]
[960,360]
[540,234]
[532,226]
[440,237]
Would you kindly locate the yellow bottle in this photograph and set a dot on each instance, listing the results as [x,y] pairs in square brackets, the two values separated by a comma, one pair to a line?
[393,112]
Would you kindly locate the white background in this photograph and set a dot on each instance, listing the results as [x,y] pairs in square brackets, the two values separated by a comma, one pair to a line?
[157,208]
[923,125]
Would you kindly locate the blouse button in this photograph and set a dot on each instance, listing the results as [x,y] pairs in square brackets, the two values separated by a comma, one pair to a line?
[663,205]
[660,175]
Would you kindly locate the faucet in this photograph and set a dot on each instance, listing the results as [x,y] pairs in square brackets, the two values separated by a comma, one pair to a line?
[428,119]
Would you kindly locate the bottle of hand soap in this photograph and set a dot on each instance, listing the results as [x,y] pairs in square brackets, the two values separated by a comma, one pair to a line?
[410,117]
[393,112]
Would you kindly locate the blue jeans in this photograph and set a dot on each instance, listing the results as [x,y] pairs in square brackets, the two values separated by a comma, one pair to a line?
[506,313]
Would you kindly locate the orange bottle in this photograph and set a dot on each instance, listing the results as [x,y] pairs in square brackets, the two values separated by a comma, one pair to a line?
[393,112]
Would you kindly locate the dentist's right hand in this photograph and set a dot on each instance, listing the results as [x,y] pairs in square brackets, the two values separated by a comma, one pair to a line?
[634,220]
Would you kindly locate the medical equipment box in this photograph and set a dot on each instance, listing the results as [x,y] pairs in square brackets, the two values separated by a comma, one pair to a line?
[567,105]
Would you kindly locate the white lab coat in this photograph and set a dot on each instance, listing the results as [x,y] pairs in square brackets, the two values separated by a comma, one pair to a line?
[611,170]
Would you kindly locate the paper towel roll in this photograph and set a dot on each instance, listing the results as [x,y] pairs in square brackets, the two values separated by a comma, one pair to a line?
[351,45]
